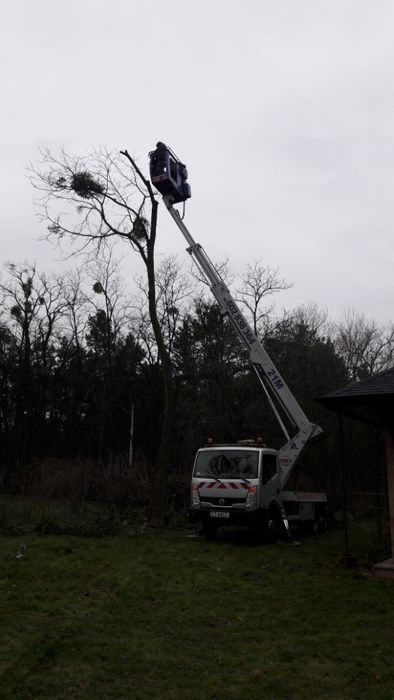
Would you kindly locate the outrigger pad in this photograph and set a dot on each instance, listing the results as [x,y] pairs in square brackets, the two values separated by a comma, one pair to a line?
[168,174]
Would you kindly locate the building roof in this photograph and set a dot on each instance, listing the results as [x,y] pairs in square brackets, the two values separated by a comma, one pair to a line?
[370,400]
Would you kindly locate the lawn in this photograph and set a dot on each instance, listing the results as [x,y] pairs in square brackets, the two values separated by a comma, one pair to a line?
[163,615]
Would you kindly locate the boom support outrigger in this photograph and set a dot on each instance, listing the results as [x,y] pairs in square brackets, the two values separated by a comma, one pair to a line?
[174,188]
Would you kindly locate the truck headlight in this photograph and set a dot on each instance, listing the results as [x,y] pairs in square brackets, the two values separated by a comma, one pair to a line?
[195,500]
[251,498]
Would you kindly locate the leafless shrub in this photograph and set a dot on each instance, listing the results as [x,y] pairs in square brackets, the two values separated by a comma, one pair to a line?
[59,478]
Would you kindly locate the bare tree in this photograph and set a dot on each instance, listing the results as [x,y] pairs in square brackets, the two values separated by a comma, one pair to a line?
[222,268]
[257,283]
[109,290]
[365,348]
[173,297]
[34,304]
[76,309]
[52,309]
[313,318]
[174,290]
[92,200]
[21,302]
[140,322]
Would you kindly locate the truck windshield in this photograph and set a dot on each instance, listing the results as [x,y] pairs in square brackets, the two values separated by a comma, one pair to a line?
[229,464]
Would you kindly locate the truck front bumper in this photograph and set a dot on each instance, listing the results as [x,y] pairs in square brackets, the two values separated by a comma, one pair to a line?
[224,518]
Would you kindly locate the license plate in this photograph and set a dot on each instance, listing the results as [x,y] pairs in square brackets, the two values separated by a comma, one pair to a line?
[219,514]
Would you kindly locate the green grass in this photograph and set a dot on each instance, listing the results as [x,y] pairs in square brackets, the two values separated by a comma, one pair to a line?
[160,615]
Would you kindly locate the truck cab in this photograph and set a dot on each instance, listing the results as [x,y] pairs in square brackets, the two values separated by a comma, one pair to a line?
[235,484]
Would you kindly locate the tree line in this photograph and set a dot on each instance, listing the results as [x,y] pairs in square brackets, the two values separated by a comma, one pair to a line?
[81,359]
[78,360]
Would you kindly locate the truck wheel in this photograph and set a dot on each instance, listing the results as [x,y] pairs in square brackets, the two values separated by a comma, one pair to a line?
[274,525]
[273,530]
[319,523]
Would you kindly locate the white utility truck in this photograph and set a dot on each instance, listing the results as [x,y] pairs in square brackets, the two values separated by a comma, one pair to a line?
[243,483]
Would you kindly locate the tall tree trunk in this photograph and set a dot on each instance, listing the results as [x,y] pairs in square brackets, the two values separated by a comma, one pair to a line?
[165,455]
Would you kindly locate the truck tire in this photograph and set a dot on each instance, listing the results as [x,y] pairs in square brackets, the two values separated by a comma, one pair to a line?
[274,525]
[319,523]
[273,530]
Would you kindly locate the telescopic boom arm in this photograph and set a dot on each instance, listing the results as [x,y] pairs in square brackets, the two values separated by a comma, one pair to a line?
[176,189]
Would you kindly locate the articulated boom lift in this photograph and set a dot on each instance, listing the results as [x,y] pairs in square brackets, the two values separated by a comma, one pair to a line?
[169,176]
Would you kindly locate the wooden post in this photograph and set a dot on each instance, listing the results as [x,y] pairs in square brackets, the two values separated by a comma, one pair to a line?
[131,437]
[389,442]
[344,487]
[385,569]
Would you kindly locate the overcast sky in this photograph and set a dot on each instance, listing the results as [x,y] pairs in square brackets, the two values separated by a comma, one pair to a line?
[282,110]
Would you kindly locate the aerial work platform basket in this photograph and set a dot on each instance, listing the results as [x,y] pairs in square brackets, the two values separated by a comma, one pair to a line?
[168,174]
